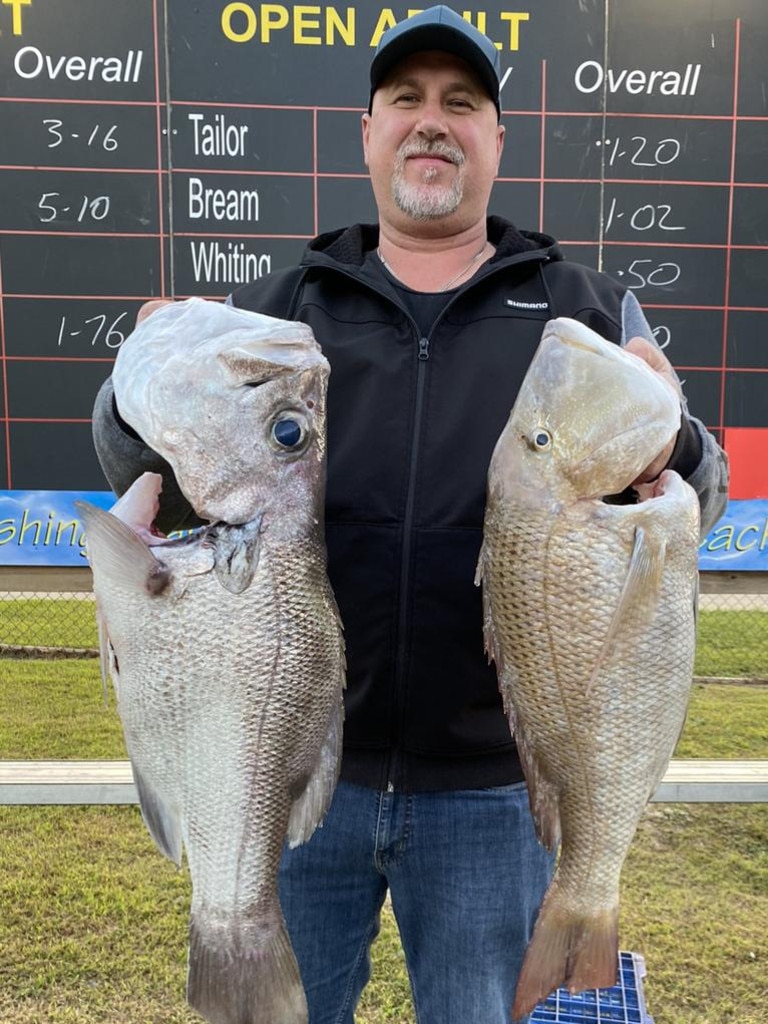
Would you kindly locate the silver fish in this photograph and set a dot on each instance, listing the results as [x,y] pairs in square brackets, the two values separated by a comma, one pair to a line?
[225,648]
[590,619]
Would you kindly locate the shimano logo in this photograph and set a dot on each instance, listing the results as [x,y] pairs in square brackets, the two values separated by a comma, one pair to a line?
[526,305]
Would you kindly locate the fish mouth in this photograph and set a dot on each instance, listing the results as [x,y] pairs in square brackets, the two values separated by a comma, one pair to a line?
[595,457]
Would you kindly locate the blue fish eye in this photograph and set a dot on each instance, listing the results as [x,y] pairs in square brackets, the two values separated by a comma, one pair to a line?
[287,433]
[541,439]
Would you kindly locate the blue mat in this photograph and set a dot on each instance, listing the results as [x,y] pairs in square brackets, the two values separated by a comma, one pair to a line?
[622,1004]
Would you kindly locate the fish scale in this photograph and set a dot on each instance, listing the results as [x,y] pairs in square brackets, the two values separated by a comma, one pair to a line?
[590,618]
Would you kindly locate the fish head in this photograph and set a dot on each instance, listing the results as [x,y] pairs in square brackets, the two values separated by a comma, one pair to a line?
[588,419]
[235,403]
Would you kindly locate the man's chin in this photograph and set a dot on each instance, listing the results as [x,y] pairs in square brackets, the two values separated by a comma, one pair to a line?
[426,203]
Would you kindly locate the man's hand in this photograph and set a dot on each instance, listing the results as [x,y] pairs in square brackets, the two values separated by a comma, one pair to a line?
[149,307]
[658,362]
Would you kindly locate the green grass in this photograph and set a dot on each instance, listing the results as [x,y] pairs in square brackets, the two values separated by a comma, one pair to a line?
[46,622]
[732,643]
[93,921]
[726,721]
[55,710]
[93,925]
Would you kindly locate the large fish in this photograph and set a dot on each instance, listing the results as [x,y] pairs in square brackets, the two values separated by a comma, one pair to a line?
[590,618]
[225,648]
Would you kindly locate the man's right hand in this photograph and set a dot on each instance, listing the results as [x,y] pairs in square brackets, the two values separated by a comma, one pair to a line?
[149,308]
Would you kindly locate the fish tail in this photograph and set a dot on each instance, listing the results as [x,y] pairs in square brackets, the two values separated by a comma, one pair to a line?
[578,951]
[247,976]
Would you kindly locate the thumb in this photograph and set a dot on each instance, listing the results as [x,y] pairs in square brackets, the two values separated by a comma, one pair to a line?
[655,358]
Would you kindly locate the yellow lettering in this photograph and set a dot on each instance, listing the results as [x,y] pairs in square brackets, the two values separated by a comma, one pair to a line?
[35,525]
[722,539]
[386,20]
[17,5]
[764,538]
[273,18]
[301,22]
[7,530]
[738,543]
[250,22]
[72,526]
[345,29]
[514,18]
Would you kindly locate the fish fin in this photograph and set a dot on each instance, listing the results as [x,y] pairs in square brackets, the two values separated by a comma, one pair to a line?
[116,552]
[235,978]
[236,553]
[639,598]
[105,654]
[310,807]
[578,952]
[164,825]
[492,649]
[542,795]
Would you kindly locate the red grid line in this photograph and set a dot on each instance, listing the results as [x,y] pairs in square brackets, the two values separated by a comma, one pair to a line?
[542,143]
[83,168]
[77,102]
[659,243]
[67,233]
[726,369]
[5,381]
[88,298]
[315,176]
[729,231]
[361,175]
[60,359]
[327,109]
[159,126]
[110,359]
[145,234]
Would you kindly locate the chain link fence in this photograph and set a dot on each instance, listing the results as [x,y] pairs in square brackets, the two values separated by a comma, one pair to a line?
[46,626]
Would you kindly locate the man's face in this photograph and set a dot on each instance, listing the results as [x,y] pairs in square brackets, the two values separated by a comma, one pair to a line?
[432,143]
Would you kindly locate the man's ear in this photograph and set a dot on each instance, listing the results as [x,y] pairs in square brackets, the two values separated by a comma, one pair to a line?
[366,126]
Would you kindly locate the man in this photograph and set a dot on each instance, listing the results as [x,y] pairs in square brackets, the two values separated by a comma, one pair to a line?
[429,320]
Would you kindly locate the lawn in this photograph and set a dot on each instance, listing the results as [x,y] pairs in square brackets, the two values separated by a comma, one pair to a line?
[93,920]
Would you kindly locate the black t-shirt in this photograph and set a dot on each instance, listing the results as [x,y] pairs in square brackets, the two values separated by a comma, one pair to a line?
[424,307]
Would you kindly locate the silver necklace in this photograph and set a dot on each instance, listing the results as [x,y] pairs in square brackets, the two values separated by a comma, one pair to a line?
[453,280]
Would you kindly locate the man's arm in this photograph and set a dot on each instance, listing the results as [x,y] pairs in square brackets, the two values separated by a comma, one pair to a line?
[124,456]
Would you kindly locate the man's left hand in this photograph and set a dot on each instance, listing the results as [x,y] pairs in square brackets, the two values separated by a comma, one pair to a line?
[655,358]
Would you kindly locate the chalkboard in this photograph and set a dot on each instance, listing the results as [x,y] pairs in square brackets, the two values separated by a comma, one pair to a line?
[142,157]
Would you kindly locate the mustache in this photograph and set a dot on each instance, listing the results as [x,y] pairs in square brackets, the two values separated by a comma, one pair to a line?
[435,148]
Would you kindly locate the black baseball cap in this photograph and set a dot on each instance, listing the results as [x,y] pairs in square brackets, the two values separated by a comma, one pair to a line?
[438,28]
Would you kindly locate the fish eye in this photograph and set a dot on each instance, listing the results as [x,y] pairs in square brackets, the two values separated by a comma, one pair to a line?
[540,440]
[288,433]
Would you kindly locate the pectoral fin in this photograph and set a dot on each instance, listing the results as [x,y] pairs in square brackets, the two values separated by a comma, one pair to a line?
[162,823]
[639,598]
[311,805]
[117,555]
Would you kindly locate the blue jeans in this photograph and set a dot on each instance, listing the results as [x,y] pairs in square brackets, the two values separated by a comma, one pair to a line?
[466,876]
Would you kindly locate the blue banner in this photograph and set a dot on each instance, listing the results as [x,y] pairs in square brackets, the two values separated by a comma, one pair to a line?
[739,540]
[42,528]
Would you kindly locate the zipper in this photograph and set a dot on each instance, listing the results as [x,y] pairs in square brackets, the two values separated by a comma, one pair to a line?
[394,768]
